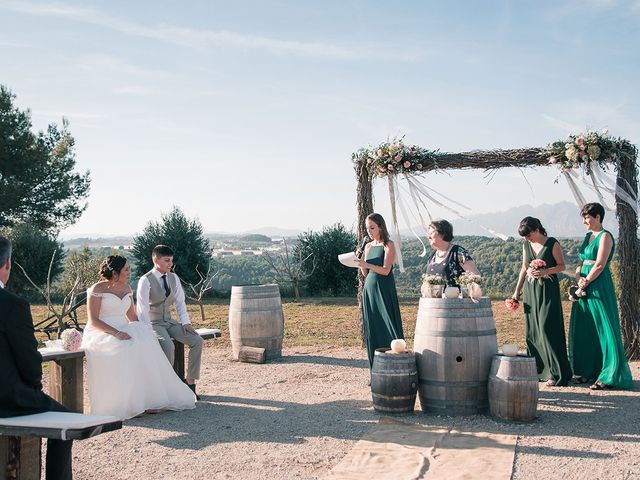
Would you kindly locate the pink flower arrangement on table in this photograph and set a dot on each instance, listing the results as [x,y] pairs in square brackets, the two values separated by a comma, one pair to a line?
[71,339]
[536,265]
[512,304]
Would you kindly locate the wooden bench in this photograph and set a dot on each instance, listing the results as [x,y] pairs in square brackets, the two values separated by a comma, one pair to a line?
[20,438]
[178,359]
[66,377]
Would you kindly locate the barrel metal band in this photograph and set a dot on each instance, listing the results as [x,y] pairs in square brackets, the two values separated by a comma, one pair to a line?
[516,379]
[440,383]
[394,397]
[448,403]
[244,339]
[395,373]
[468,333]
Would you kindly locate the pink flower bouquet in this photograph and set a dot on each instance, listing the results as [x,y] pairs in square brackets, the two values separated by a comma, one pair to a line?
[512,304]
[534,266]
[71,339]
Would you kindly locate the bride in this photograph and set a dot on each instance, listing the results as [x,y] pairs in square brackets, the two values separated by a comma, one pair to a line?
[128,372]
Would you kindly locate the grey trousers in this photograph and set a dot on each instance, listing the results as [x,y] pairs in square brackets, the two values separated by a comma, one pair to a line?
[167,331]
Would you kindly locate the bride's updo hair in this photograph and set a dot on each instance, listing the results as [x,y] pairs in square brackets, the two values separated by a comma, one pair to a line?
[111,264]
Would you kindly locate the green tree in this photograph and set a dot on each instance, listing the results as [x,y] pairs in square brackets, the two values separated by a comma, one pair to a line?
[325,275]
[80,271]
[184,236]
[33,250]
[37,181]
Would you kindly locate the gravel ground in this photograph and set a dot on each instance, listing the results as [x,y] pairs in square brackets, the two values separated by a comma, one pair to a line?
[296,417]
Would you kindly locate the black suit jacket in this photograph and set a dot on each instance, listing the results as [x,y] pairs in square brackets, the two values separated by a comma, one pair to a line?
[20,362]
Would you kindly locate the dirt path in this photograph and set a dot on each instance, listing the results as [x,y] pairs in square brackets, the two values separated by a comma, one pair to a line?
[298,416]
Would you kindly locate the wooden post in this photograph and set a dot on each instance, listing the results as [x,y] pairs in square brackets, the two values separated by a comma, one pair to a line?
[628,254]
[251,354]
[364,204]
[178,359]
[66,379]
[20,458]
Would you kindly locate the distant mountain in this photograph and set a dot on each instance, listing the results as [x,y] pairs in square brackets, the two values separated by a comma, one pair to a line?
[559,219]
[274,232]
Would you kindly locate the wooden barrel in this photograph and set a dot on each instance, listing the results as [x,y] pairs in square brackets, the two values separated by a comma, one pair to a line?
[394,381]
[513,388]
[454,342]
[256,319]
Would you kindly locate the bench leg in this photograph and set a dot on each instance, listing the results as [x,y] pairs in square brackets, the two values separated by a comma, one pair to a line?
[178,359]
[20,458]
[66,383]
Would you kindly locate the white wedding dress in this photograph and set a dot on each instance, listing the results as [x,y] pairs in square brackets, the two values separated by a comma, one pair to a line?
[127,377]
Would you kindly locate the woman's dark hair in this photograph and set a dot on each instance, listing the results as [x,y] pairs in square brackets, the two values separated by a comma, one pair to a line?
[530,224]
[111,264]
[162,251]
[593,209]
[378,220]
[444,228]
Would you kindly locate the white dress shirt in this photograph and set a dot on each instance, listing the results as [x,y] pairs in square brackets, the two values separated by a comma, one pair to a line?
[143,299]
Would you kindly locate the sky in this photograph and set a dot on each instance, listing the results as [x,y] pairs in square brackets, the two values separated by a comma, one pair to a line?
[245,114]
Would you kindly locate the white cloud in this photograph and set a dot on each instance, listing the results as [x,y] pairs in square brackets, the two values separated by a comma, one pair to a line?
[201,39]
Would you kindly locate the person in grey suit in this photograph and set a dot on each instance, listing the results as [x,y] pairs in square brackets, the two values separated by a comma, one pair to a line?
[157,290]
[21,369]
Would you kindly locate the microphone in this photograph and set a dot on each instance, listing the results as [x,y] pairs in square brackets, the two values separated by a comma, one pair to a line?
[360,249]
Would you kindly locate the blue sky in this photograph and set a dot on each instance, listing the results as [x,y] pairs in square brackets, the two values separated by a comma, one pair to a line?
[245,114]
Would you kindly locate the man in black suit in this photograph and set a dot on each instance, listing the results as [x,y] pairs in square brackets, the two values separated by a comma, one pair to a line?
[21,369]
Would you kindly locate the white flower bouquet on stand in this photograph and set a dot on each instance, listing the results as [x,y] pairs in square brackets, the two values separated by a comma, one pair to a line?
[432,285]
[470,285]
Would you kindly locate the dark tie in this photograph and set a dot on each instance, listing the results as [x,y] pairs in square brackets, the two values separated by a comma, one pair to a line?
[167,290]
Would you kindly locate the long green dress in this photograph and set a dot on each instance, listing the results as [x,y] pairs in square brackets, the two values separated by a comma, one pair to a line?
[544,325]
[595,342]
[380,307]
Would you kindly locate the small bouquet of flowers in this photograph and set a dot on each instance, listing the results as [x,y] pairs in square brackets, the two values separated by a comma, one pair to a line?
[512,304]
[431,279]
[71,339]
[468,278]
[471,282]
[575,293]
[432,285]
[535,265]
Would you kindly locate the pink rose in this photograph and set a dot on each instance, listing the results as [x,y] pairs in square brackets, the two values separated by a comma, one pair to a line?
[390,167]
[419,166]
[579,141]
[407,164]
[398,158]
[552,160]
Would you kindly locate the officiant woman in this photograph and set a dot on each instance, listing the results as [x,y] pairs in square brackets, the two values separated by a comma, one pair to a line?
[544,321]
[380,307]
[447,259]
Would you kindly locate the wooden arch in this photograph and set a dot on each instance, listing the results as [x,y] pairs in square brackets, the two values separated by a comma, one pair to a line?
[628,242]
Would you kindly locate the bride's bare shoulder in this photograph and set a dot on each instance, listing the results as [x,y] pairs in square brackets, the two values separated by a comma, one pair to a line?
[99,287]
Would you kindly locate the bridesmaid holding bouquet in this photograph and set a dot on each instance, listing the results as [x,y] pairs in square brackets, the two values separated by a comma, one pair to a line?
[595,343]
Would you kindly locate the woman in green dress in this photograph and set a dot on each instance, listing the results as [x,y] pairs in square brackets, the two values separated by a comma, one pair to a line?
[380,307]
[544,322]
[595,342]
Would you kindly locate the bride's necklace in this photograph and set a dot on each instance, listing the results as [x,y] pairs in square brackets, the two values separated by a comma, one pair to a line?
[442,254]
